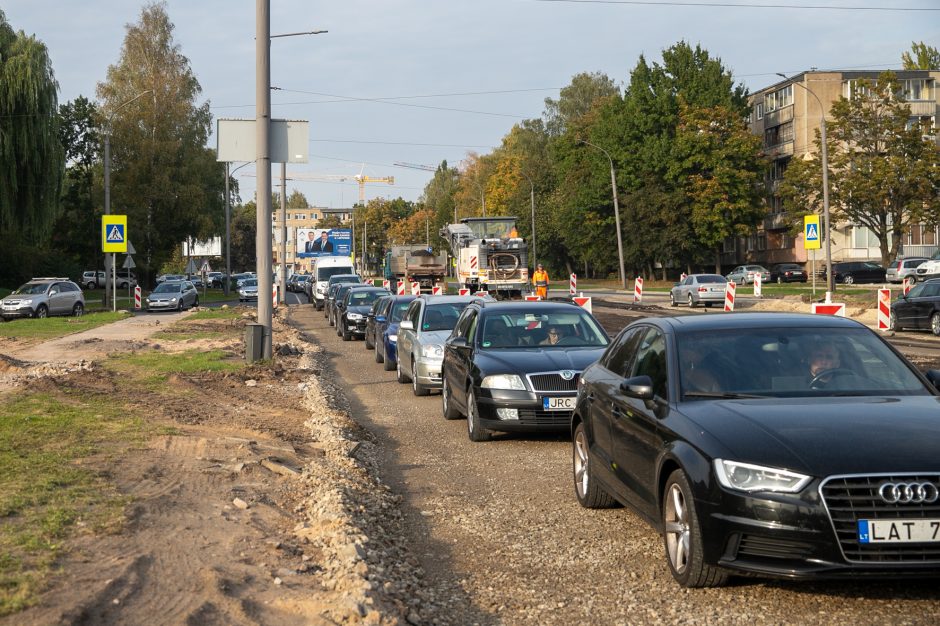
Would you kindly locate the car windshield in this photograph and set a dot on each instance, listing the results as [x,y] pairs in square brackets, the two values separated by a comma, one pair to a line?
[31,289]
[525,329]
[324,273]
[442,316]
[168,288]
[363,298]
[398,310]
[251,282]
[791,362]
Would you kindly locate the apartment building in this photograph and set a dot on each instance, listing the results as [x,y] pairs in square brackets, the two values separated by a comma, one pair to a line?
[299,218]
[787,115]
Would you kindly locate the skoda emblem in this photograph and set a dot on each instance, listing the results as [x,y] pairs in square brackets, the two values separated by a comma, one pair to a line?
[566,374]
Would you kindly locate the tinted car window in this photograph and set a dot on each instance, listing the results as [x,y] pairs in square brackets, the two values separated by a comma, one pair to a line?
[619,358]
[442,316]
[711,278]
[651,361]
[565,328]
[398,311]
[167,288]
[363,297]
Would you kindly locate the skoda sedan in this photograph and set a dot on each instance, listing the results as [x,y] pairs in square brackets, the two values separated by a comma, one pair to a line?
[783,445]
[514,366]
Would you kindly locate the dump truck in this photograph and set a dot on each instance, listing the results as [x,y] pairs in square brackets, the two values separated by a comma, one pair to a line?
[415,263]
[490,255]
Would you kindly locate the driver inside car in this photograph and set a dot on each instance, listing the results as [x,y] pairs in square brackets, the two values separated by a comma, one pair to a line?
[824,361]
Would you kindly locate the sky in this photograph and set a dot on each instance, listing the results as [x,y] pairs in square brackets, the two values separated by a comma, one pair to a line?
[453,76]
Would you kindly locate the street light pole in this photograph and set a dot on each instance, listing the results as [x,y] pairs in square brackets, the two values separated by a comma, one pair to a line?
[262,137]
[109,289]
[482,196]
[824,157]
[613,186]
[532,202]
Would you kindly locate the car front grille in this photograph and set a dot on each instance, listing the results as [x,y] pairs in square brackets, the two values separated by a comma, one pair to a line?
[552,381]
[852,498]
[533,417]
[756,546]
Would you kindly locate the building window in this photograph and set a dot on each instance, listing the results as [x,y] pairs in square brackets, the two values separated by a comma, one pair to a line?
[759,110]
[762,241]
[777,135]
[728,244]
[779,99]
[916,89]
[863,237]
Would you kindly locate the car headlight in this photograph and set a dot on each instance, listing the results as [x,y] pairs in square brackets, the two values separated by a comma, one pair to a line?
[503,381]
[747,477]
[172,300]
[26,301]
[433,350]
[353,316]
[393,338]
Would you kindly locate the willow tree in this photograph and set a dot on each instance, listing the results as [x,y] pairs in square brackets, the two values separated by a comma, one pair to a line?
[31,158]
[163,176]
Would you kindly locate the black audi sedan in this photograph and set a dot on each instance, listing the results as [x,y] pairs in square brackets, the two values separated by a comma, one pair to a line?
[781,445]
[514,366]
[919,308]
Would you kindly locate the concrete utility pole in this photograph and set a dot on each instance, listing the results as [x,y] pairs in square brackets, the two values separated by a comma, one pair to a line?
[532,201]
[228,234]
[282,297]
[262,138]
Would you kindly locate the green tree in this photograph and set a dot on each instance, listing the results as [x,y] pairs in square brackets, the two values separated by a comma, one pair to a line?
[576,100]
[244,226]
[440,197]
[31,157]
[76,233]
[921,57]
[163,176]
[884,171]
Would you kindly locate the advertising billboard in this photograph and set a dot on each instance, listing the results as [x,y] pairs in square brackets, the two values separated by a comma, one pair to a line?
[314,242]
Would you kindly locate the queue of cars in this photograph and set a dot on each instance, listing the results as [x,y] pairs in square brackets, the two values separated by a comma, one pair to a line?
[770,444]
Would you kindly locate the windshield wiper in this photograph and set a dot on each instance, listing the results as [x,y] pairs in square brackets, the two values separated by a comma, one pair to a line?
[724,395]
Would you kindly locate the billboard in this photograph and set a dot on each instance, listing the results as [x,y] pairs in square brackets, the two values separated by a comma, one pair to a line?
[289,140]
[210,247]
[314,242]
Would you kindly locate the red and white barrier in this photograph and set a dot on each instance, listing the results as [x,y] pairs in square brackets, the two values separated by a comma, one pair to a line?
[638,289]
[584,303]
[387,285]
[483,293]
[907,284]
[573,285]
[829,308]
[531,298]
[274,296]
[401,288]
[884,309]
[730,289]
[758,283]
[463,291]
[137,297]
[415,288]
[437,290]
[683,276]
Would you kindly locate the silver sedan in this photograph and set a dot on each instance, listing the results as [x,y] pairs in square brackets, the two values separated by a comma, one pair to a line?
[698,289]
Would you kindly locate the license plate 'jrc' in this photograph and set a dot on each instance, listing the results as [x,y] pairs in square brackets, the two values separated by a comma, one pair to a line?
[899,531]
[558,404]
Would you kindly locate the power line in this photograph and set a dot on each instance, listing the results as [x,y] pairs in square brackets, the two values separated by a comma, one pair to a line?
[403,143]
[742,5]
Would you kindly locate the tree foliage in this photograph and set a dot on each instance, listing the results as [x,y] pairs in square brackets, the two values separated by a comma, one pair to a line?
[76,233]
[163,176]
[576,100]
[31,158]
[884,172]
[921,57]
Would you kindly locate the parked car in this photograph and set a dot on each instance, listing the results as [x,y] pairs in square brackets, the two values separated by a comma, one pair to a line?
[853,272]
[696,289]
[514,366]
[899,269]
[173,295]
[356,308]
[421,334]
[744,274]
[125,279]
[773,470]
[929,268]
[386,330]
[788,273]
[92,279]
[248,290]
[42,297]
[170,277]
[216,280]
[919,309]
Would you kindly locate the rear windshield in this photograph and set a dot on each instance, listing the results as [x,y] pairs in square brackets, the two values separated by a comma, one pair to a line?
[711,278]
[442,316]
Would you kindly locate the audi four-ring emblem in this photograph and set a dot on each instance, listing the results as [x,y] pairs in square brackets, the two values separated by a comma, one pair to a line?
[909,493]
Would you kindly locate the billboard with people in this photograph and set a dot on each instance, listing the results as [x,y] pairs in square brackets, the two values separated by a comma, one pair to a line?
[315,242]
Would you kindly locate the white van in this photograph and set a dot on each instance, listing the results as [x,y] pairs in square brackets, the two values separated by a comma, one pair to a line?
[325,267]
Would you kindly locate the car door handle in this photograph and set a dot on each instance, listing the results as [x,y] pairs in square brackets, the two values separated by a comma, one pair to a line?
[616,412]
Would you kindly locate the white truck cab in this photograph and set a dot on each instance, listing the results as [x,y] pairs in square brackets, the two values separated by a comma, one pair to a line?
[325,267]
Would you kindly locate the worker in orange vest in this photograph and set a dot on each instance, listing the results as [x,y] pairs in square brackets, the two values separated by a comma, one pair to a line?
[540,280]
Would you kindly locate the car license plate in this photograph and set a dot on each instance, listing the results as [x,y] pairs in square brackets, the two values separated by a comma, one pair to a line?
[899,531]
[558,404]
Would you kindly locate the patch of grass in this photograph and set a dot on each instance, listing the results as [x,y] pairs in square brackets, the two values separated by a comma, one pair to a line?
[216,314]
[51,327]
[152,369]
[183,335]
[46,494]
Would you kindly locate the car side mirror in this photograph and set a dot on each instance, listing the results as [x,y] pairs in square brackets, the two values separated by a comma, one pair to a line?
[458,343]
[53,292]
[406,325]
[639,387]
[380,319]
[934,377]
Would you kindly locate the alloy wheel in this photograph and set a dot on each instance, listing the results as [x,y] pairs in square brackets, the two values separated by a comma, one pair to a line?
[581,474]
[935,324]
[676,517]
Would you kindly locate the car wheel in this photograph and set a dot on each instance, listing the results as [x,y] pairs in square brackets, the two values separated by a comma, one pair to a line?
[90,286]
[388,365]
[179,307]
[344,332]
[401,375]
[912,278]
[417,388]
[672,299]
[893,322]
[682,536]
[41,311]
[369,344]
[78,309]
[848,279]
[590,494]
[474,428]
[447,405]
[379,349]
[935,324]
[196,302]
[691,302]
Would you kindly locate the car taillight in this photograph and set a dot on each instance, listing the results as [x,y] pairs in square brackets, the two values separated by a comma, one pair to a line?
[702,289]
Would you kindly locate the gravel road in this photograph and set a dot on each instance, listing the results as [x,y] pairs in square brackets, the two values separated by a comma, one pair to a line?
[501,539]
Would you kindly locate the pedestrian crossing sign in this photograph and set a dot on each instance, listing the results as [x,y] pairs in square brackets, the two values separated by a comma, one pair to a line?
[114,233]
[811,238]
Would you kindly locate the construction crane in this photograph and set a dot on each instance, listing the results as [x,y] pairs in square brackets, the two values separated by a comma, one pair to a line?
[360,178]
[416,166]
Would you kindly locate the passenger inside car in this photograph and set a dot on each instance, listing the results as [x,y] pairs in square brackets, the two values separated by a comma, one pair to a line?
[497,335]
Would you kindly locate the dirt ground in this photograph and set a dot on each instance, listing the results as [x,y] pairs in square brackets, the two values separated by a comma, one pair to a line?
[218,529]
